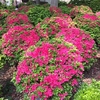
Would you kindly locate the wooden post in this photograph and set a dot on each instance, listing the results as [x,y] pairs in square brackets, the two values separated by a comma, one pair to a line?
[54,3]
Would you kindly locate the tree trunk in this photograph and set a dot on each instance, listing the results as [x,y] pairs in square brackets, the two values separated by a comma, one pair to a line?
[37,2]
[54,3]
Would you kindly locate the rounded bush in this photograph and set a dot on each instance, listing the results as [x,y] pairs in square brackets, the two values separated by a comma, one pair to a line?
[49,70]
[90,24]
[55,10]
[64,27]
[84,43]
[18,38]
[16,18]
[89,92]
[49,27]
[77,10]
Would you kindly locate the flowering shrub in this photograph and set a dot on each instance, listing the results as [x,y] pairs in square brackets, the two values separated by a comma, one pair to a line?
[63,26]
[80,10]
[18,39]
[51,26]
[90,24]
[86,19]
[49,70]
[84,43]
[55,10]
[16,18]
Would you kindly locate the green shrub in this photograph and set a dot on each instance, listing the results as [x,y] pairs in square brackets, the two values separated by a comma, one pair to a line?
[89,92]
[0,91]
[65,9]
[94,32]
[62,3]
[90,24]
[37,14]
[95,5]
[80,2]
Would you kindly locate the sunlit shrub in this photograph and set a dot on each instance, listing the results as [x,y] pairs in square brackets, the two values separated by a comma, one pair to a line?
[18,39]
[90,24]
[49,70]
[88,92]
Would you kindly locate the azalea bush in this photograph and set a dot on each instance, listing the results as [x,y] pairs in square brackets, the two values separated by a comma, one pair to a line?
[89,23]
[64,27]
[88,92]
[84,43]
[80,10]
[49,70]
[16,18]
[17,40]
[49,27]
[37,14]
[55,10]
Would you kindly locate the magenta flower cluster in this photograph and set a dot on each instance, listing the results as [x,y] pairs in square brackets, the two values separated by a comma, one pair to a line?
[50,65]
[81,40]
[51,26]
[18,38]
[55,10]
[16,18]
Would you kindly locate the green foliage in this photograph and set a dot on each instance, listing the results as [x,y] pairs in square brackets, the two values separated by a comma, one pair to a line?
[89,92]
[0,91]
[3,29]
[95,5]
[37,14]
[65,9]
[62,3]
[80,2]
[2,60]
[94,32]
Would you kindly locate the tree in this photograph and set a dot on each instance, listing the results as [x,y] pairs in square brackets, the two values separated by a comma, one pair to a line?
[54,3]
